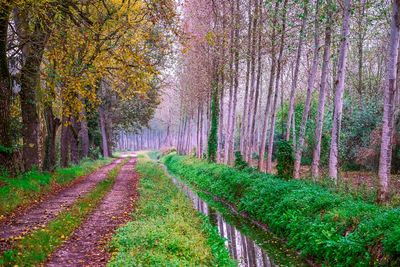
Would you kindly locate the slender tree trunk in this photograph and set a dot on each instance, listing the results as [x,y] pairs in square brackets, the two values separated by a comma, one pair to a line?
[5,92]
[52,124]
[322,97]
[84,135]
[74,142]
[258,81]
[310,87]
[296,72]
[65,142]
[232,124]
[339,83]
[388,109]
[231,79]
[104,143]
[252,92]
[221,141]
[246,93]
[278,77]
[261,160]
[213,135]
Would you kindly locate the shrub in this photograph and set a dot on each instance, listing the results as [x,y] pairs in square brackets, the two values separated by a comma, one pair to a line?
[240,163]
[285,158]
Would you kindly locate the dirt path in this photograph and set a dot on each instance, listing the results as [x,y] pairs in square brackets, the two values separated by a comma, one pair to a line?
[86,246]
[49,208]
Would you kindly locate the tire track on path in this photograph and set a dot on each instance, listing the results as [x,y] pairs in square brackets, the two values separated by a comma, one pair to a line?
[87,245]
[45,211]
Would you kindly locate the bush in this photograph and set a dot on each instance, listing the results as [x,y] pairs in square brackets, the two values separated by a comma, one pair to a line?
[285,158]
[332,228]
[240,163]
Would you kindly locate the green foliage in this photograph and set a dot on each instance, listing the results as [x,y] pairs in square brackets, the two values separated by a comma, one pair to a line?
[166,230]
[34,249]
[240,163]
[285,158]
[332,228]
[28,187]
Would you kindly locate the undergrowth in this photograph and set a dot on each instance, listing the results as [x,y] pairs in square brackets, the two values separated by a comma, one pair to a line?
[166,230]
[328,227]
[28,187]
[34,248]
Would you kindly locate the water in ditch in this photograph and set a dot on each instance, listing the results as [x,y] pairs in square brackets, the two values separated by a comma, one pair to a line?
[241,247]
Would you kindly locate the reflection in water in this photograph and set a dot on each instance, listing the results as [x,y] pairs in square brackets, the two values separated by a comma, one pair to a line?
[241,248]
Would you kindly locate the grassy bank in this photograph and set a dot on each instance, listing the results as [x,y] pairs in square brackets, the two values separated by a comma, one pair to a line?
[34,248]
[166,230]
[29,187]
[331,228]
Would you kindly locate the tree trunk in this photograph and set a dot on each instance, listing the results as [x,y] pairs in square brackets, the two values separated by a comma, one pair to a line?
[388,109]
[104,143]
[252,91]
[252,133]
[339,83]
[246,93]
[310,88]
[84,134]
[65,142]
[52,124]
[319,121]
[30,81]
[231,130]
[278,76]
[5,93]
[74,143]
[213,134]
[296,72]
[261,155]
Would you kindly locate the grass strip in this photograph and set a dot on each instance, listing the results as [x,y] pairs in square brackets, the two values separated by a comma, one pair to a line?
[328,227]
[166,230]
[30,186]
[35,248]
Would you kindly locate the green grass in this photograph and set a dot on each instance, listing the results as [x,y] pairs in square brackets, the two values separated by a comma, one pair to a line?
[35,248]
[329,227]
[166,230]
[29,187]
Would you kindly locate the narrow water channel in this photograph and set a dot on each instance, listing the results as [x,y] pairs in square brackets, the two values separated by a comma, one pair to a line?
[241,247]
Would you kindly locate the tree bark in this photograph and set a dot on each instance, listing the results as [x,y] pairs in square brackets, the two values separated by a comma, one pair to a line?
[52,124]
[261,160]
[65,142]
[388,108]
[278,77]
[296,72]
[339,83]
[30,81]
[5,92]
[232,124]
[322,97]
[252,91]
[246,93]
[104,142]
[310,87]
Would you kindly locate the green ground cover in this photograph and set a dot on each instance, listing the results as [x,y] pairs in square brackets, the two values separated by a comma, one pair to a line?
[328,227]
[166,230]
[34,248]
[28,187]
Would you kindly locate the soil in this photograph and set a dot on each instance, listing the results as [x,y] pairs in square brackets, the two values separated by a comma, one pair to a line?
[87,245]
[43,212]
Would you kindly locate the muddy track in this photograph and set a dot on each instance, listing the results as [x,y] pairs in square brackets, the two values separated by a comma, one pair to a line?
[87,245]
[45,211]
